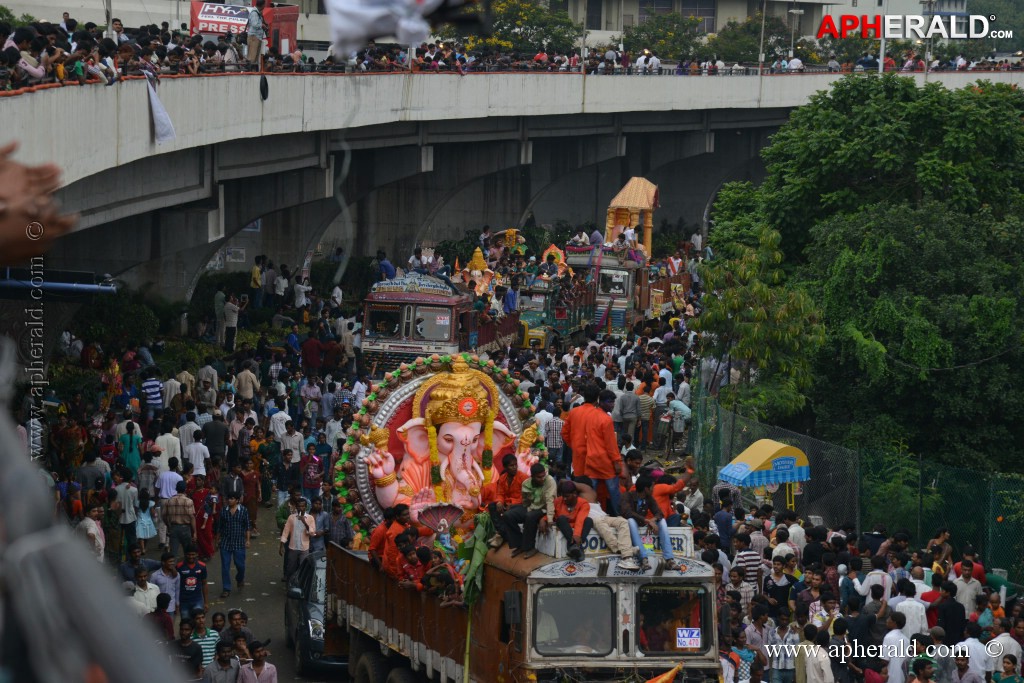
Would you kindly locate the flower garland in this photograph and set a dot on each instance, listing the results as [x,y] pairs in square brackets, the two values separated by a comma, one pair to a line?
[435,465]
[487,459]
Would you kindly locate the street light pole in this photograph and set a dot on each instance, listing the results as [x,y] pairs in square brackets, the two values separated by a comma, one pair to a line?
[760,61]
[881,56]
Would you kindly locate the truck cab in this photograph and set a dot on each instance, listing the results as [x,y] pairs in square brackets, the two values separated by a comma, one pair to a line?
[537,619]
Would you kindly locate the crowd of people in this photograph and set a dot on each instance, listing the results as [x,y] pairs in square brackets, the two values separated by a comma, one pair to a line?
[190,455]
[45,52]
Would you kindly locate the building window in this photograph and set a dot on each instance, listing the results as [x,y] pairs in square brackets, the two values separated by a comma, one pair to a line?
[703,9]
[594,8]
[652,8]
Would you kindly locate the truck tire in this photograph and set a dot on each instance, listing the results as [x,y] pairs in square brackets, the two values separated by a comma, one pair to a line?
[358,645]
[404,675]
[372,668]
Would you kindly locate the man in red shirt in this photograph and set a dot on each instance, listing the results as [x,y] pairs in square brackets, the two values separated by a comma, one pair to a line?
[311,350]
[931,600]
[572,518]
[379,538]
[392,554]
[603,460]
[977,572]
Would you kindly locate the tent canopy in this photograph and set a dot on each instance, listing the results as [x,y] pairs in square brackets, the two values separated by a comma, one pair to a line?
[638,193]
[767,462]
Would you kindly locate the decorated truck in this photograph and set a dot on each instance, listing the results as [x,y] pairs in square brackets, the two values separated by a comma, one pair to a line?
[418,314]
[551,309]
[627,293]
[428,436]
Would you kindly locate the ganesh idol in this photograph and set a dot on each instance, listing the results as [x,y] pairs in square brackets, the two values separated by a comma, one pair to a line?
[451,443]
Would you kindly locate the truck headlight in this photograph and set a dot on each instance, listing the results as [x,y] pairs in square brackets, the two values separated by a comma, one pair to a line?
[316,629]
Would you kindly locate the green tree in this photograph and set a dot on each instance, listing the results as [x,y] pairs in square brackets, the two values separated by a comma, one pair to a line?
[924,323]
[739,42]
[521,26]
[871,140]
[670,36]
[7,17]
[770,329]
[1009,17]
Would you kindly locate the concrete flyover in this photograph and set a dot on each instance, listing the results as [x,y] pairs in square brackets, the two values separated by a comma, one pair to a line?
[430,155]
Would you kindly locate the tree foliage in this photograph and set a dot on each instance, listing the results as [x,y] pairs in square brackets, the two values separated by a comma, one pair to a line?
[522,26]
[739,42]
[670,36]
[1009,17]
[924,325]
[767,327]
[899,214]
[871,140]
[7,17]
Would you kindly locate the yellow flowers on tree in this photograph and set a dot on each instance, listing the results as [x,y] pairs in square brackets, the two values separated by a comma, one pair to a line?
[521,26]
[670,36]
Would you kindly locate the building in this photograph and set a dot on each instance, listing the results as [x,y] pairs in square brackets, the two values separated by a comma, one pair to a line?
[606,19]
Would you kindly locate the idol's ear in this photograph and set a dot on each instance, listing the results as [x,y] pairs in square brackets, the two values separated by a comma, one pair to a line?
[414,435]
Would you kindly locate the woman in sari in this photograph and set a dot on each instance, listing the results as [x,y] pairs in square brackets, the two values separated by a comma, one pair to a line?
[207,507]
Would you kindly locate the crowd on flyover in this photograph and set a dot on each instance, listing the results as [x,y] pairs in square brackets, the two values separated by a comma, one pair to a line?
[67,52]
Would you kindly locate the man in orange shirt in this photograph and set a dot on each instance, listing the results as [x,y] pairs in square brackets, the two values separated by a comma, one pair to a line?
[571,518]
[667,487]
[574,434]
[392,555]
[379,538]
[603,460]
[503,493]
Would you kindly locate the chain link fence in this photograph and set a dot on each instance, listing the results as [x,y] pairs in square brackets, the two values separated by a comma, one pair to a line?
[896,489]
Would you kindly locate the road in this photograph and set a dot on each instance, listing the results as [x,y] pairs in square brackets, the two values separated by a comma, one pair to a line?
[264,599]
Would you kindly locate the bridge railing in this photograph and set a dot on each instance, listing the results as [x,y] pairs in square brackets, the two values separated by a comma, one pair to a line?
[7,89]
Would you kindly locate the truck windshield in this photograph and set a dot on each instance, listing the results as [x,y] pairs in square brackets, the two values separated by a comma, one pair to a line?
[670,618]
[433,324]
[574,620]
[613,283]
[383,320]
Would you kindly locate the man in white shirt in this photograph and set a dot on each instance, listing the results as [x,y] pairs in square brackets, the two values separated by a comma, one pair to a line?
[895,646]
[336,297]
[980,661]
[877,575]
[967,591]
[197,454]
[913,610]
[1008,645]
[819,666]
[279,423]
[796,65]
[653,63]
[694,500]
[186,434]
[172,388]
[171,446]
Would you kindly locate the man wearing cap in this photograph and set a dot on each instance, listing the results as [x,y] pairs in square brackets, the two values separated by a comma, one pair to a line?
[224,667]
[206,394]
[179,513]
[259,670]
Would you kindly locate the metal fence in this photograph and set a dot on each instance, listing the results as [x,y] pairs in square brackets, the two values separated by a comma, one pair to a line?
[900,490]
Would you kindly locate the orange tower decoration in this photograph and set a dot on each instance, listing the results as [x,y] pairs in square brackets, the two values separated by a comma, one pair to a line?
[634,205]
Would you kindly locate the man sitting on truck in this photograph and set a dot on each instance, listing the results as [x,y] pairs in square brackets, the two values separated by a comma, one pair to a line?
[535,514]
[640,508]
[503,493]
[571,518]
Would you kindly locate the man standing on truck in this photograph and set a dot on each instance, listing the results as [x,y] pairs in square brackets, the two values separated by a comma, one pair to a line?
[535,514]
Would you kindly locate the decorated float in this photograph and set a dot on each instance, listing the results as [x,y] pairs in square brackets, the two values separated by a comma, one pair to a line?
[430,434]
